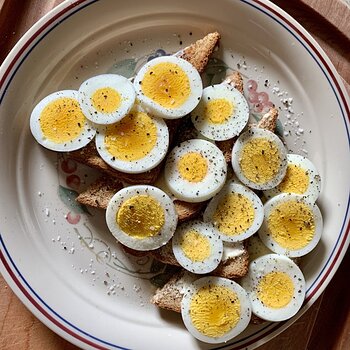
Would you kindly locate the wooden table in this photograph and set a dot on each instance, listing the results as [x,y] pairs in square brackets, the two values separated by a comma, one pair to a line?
[326,325]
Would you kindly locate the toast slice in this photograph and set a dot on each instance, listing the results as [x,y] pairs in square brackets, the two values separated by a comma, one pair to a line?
[269,120]
[232,266]
[100,192]
[235,79]
[89,156]
[169,297]
[199,52]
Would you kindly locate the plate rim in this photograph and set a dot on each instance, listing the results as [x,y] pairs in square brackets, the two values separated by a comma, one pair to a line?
[17,56]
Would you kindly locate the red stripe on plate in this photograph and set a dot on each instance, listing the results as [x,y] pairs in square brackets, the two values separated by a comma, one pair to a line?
[41,309]
[34,36]
[12,274]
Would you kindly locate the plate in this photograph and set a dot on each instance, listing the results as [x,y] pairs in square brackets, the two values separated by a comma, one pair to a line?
[59,257]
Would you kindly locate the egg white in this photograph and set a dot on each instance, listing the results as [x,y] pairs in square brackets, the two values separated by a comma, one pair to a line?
[80,141]
[229,188]
[314,186]
[148,162]
[213,181]
[231,127]
[248,135]
[245,308]
[148,243]
[267,238]
[118,83]
[216,247]
[264,265]
[155,108]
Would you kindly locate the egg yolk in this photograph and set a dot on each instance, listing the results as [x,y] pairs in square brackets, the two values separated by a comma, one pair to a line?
[218,111]
[275,290]
[234,214]
[62,120]
[166,84]
[132,138]
[193,167]
[260,160]
[295,181]
[292,225]
[195,246]
[215,310]
[106,100]
[141,217]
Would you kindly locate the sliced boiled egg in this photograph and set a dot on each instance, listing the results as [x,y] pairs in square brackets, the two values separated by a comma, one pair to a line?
[276,287]
[106,98]
[168,86]
[301,178]
[236,212]
[58,123]
[292,225]
[222,112]
[197,247]
[259,159]
[137,143]
[195,170]
[215,309]
[141,217]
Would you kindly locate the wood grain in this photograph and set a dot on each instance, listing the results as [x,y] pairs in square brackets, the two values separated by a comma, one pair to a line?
[326,325]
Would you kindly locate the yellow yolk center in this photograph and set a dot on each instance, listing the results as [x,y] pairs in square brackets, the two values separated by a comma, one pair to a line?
[275,290]
[106,100]
[260,160]
[141,217]
[295,181]
[218,111]
[166,84]
[193,167]
[234,214]
[195,246]
[292,225]
[215,310]
[62,120]
[132,138]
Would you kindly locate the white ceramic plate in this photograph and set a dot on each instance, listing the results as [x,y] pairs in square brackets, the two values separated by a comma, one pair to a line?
[61,262]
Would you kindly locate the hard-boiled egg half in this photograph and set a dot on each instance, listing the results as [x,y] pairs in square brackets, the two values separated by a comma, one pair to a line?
[58,123]
[141,217]
[276,287]
[195,170]
[106,98]
[168,86]
[259,159]
[292,225]
[215,310]
[301,178]
[197,247]
[236,212]
[222,112]
[136,144]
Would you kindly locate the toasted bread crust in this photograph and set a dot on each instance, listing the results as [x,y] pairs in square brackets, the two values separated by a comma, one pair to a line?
[233,267]
[198,53]
[169,297]
[226,148]
[89,156]
[187,211]
[269,120]
[100,192]
[236,80]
